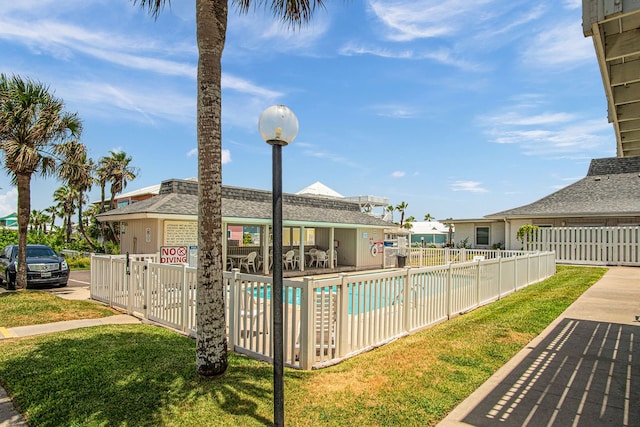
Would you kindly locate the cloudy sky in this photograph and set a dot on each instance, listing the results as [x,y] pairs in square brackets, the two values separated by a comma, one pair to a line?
[458,108]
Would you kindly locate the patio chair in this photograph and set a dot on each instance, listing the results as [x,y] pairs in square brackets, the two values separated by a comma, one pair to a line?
[289,260]
[322,259]
[249,261]
[296,256]
[312,256]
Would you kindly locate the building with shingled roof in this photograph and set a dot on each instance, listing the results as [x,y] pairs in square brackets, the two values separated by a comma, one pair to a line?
[170,219]
[608,196]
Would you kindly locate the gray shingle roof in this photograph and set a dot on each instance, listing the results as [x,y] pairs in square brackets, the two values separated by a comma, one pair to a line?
[611,187]
[180,197]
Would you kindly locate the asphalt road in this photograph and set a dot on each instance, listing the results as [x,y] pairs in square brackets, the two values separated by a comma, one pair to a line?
[79,278]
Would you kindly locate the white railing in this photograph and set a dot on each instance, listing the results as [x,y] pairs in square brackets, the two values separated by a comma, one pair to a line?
[590,245]
[429,257]
[325,320]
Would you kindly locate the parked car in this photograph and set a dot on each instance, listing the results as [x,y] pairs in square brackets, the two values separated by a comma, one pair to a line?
[44,267]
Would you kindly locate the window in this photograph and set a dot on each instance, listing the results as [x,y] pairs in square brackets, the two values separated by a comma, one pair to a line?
[482,236]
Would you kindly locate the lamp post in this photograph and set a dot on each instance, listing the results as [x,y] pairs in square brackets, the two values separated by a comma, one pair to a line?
[278,127]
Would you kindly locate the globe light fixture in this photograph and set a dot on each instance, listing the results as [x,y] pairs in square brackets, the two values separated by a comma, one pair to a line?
[278,126]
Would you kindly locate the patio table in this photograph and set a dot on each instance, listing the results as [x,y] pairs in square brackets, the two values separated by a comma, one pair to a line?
[235,259]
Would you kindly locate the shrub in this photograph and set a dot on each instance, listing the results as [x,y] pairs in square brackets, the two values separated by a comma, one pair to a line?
[79,263]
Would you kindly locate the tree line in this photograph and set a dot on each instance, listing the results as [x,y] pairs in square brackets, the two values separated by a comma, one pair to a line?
[38,137]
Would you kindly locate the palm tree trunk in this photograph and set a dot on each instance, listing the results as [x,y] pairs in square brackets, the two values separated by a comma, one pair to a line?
[68,222]
[81,226]
[211,340]
[24,209]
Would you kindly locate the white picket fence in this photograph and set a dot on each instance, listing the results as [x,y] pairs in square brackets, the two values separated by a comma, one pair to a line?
[590,245]
[326,320]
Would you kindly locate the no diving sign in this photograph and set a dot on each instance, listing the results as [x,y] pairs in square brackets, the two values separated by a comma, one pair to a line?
[174,254]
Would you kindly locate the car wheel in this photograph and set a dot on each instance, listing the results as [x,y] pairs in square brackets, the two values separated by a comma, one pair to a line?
[10,284]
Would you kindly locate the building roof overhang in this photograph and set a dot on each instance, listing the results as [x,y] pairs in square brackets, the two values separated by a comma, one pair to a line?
[614,27]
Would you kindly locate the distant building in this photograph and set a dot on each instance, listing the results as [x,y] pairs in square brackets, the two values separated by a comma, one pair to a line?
[429,233]
[9,221]
[170,219]
[608,196]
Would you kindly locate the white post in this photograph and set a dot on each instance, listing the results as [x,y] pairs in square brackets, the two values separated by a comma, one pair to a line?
[147,289]
[307,352]
[342,328]
[185,299]
[234,301]
[407,299]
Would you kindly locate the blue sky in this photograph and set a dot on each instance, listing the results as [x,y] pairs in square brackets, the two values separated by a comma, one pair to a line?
[458,108]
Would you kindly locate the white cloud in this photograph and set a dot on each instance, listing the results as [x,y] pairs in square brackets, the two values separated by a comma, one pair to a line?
[572,4]
[470,186]
[544,133]
[65,41]
[258,31]
[440,55]
[351,49]
[395,111]
[148,103]
[560,46]
[193,152]
[311,150]
[244,86]
[545,118]
[226,156]
[8,202]
[409,20]
[398,174]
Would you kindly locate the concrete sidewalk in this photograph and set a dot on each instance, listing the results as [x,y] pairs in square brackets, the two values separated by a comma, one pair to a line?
[583,370]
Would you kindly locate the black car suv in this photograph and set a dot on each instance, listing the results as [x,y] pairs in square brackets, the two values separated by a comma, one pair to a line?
[44,266]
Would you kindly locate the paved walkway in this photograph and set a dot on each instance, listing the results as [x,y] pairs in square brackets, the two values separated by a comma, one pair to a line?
[583,370]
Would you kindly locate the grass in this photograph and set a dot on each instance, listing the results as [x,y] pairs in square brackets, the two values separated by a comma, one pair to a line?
[145,376]
[28,307]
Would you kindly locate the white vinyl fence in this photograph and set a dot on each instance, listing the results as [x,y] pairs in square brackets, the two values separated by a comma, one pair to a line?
[590,245]
[325,320]
[429,257]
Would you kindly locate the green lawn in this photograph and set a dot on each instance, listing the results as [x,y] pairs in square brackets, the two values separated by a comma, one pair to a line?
[141,375]
[27,307]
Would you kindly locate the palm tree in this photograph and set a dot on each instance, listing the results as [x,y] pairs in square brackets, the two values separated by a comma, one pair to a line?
[38,221]
[449,223]
[34,220]
[211,28]
[90,225]
[428,217]
[52,212]
[32,121]
[102,173]
[77,171]
[66,198]
[390,209]
[116,169]
[402,207]
[408,222]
